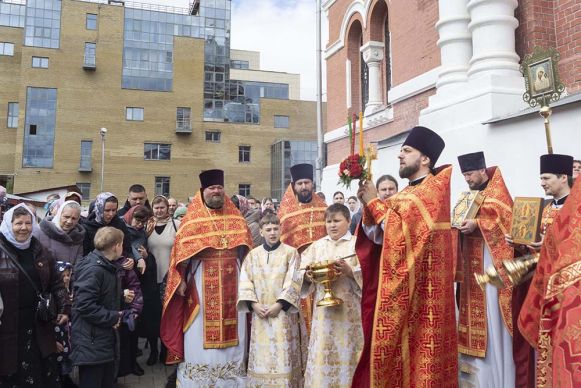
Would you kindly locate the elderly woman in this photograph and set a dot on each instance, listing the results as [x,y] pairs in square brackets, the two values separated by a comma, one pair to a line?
[28,344]
[62,235]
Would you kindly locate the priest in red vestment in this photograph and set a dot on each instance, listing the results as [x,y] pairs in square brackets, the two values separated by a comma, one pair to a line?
[412,340]
[556,171]
[555,175]
[302,219]
[200,326]
[485,321]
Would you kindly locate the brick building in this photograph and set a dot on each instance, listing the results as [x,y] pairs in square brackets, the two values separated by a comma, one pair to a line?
[163,81]
[451,65]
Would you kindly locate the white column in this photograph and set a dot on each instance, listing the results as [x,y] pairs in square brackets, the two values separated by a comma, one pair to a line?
[455,43]
[373,55]
[493,28]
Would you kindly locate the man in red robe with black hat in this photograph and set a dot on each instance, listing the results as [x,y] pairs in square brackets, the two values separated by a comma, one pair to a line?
[485,322]
[556,180]
[200,326]
[408,290]
[302,218]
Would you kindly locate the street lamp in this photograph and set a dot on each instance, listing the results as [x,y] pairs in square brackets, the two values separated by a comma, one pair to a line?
[102,132]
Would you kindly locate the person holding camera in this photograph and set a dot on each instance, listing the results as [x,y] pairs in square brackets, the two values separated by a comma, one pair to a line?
[34,299]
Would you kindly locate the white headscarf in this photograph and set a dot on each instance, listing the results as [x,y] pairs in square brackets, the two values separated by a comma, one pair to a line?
[6,227]
[57,218]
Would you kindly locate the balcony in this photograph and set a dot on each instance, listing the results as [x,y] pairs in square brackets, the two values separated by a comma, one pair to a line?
[183,123]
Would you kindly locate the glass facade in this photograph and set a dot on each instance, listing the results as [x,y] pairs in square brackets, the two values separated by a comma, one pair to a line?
[148,58]
[285,154]
[38,149]
[43,23]
[12,15]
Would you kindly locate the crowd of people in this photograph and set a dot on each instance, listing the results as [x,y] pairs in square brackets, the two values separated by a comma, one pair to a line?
[229,290]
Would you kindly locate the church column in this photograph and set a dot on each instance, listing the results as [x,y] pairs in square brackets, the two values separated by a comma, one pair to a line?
[455,43]
[493,28]
[373,55]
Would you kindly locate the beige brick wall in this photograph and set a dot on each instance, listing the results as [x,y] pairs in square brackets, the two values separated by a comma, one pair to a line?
[89,100]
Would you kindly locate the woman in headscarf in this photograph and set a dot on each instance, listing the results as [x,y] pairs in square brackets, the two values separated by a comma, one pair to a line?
[62,235]
[161,232]
[104,213]
[28,344]
[136,219]
[252,217]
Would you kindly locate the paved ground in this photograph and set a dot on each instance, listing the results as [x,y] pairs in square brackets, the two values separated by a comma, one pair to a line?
[155,376]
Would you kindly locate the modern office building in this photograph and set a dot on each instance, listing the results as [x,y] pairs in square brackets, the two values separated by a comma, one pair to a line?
[174,98]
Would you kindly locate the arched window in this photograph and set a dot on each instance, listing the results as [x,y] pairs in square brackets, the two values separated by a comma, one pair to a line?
[364,80]
[387,60]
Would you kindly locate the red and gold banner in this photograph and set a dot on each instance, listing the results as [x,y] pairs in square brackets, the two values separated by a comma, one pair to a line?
[554,308]
[414,341]
[494,219]
[301,223]
[220,232]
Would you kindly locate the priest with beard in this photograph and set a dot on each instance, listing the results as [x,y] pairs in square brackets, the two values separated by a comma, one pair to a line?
[200,326]
[405,250]
[302,219]
[485,321]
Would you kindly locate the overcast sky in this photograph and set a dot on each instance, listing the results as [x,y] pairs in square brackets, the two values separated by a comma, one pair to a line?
[282,30]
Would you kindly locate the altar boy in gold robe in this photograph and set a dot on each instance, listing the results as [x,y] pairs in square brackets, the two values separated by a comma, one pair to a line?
[336,337]
[266,288]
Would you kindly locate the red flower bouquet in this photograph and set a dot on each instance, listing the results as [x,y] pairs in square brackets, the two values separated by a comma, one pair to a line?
[352,167]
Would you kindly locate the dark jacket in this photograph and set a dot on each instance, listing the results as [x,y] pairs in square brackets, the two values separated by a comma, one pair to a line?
[64,246]
[92,226]
[96,305]
[50,280]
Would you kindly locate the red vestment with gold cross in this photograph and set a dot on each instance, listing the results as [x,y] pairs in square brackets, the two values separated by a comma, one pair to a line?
[213,236]
[494,219]
[302,224]
[551,316]
[413,341]
[523,351]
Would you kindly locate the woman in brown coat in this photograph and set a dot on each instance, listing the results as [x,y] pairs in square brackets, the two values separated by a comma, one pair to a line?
[28,345]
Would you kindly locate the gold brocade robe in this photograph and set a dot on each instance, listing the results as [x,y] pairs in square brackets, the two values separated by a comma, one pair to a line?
[274,358]
[336,337]
[494,219]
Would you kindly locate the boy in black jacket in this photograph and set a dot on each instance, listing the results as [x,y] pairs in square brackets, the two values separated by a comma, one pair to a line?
[96,310]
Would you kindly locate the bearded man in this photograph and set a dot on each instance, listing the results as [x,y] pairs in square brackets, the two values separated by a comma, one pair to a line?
[200,326]
[408,295]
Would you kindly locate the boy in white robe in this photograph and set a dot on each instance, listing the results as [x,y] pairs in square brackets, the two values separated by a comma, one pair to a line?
[336,339]
[267,289]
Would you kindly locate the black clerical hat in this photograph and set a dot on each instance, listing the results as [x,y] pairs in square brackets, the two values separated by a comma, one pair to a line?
[557,164]
[471,162]
[427,142]
[211,178]
[301,171]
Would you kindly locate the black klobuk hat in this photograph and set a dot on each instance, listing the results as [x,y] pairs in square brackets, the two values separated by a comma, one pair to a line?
[472,161]
[427,142]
